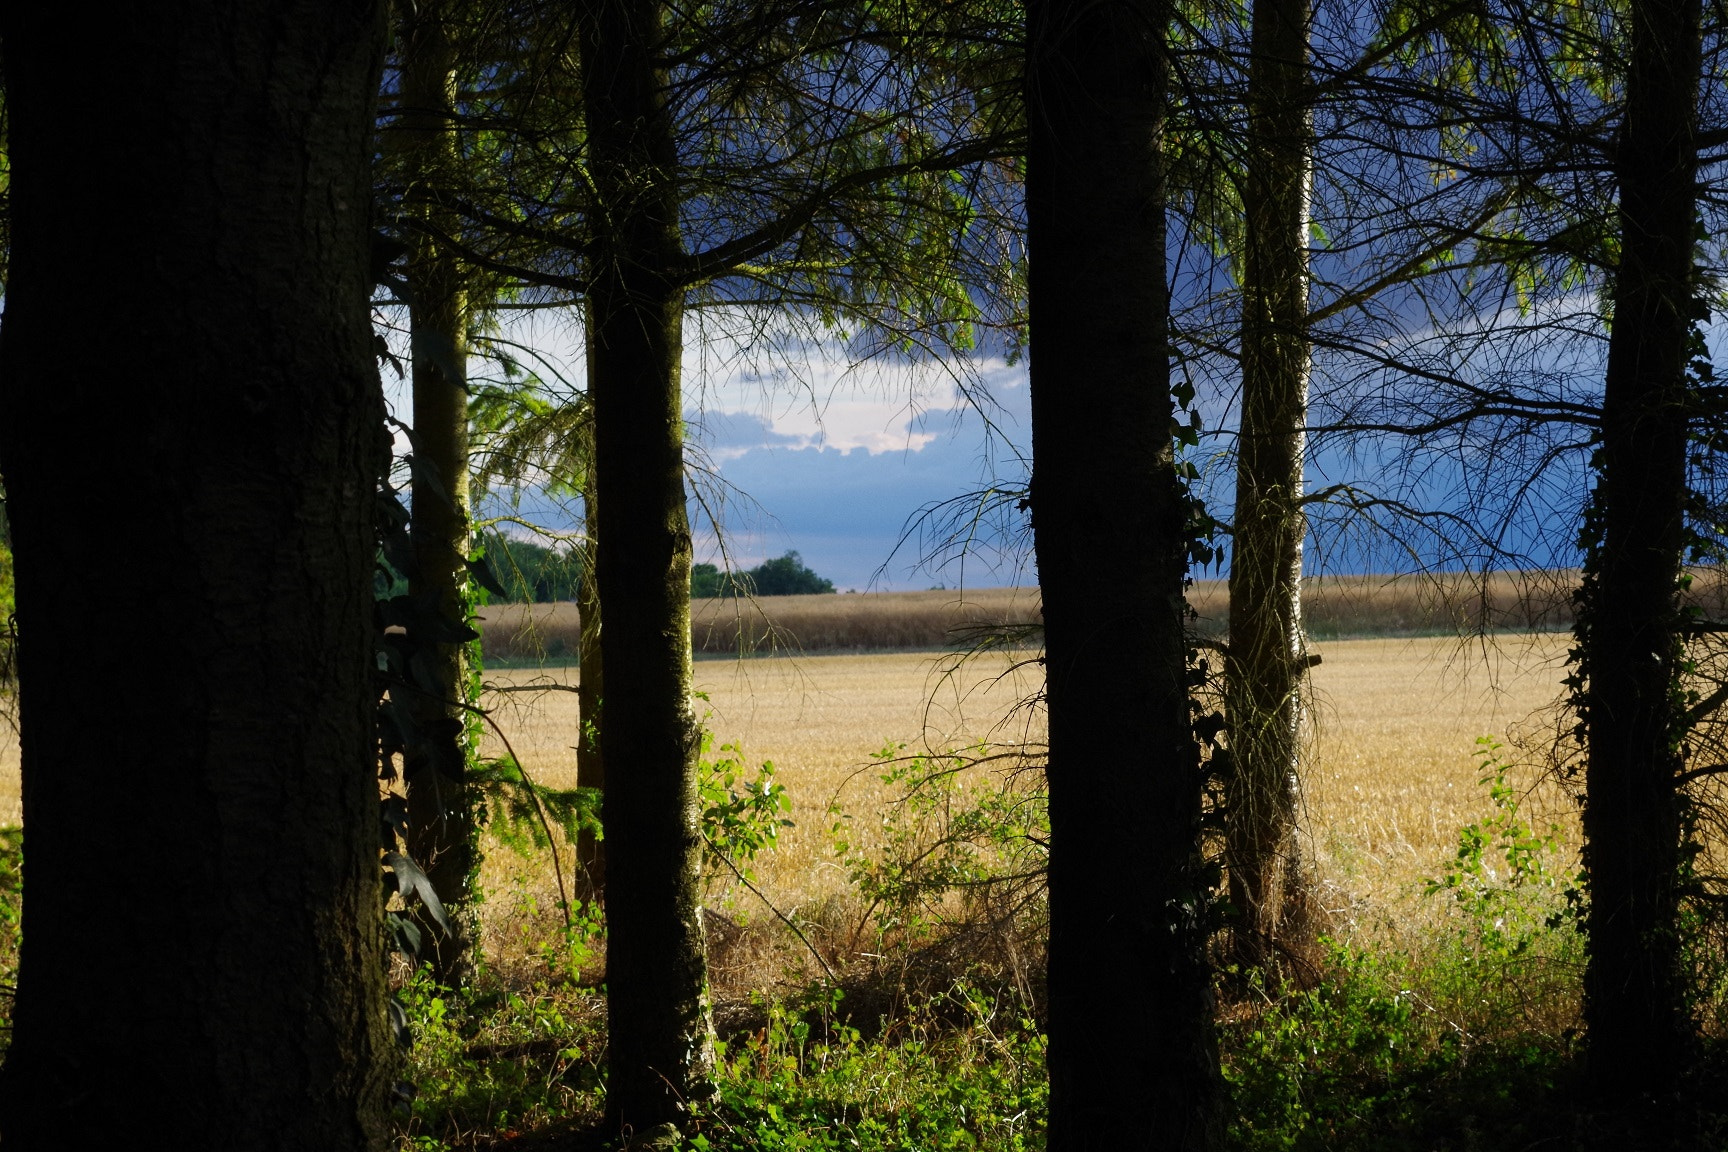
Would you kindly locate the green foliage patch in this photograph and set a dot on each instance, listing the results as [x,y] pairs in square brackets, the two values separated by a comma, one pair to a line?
[782,576]
[1465,1042]
[1463,1037]
[806,1081]
[954,849]
[498,1061]
[1366,1061]
[741,815]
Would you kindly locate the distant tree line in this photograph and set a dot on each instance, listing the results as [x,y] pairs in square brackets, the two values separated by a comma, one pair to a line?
[784,576]
[535,573]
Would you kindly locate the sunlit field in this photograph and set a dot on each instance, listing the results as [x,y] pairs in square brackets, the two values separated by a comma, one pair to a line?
[945,991]
[1393,773]
[1394,770]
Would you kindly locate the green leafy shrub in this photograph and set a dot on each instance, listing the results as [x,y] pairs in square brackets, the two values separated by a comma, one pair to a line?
[1457,1042]
[741,816]
[951,851]
[1515,923]
[805,1081]
[1365,1061]
[498,1060]
[1506,876]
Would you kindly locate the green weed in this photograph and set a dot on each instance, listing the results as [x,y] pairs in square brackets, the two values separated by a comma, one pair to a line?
[1365,1061]
[741,816]
[1458,1042]
[495,1061]
[951,852]
[806,1081]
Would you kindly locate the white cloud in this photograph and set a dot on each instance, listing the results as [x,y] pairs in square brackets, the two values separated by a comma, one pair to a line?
[809,451]
[820,401]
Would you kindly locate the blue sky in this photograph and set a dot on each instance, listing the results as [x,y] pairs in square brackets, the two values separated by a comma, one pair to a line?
[838,464]
[793,448]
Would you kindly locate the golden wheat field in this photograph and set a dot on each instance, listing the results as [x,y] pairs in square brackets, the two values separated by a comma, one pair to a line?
[1393,772]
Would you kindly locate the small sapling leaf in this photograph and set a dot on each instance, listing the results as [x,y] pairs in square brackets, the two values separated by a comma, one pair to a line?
[486,578]
[412,882]
[404,934]
[399,1023]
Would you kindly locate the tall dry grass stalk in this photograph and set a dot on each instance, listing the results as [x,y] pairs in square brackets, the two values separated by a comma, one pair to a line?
[1431,604]
[836,622]
[1333,607]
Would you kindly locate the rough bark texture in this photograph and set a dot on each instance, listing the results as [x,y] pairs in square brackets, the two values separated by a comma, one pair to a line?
[1629,621]
[660,1047]
[202,958]
[1265,667]
[441,830]
[1133,1060]
[591,685]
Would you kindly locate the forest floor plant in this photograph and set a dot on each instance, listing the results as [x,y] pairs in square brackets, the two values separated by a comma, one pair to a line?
[1459,1039]
[921,1024]
[924,1027]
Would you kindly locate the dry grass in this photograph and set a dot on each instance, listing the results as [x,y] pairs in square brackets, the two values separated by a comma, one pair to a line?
[1333,607]
[1394,772]
[1445,604]
[817,719]
[837,622]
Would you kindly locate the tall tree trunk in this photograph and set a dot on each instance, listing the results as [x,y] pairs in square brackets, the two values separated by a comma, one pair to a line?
[199,784]
[441,825]
[1133,1061]
[660,1048]
[1629,622]
[591,686]
[1266,660]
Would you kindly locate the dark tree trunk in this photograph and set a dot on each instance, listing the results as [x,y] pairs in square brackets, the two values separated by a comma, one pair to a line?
[1264,671]
[660,1048]
[591,686]
[1629,622]
[441,827]
[190,479]
[1133,1061]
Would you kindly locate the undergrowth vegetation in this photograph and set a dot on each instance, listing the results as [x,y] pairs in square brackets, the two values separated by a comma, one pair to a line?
[910,1015]
[914,1019]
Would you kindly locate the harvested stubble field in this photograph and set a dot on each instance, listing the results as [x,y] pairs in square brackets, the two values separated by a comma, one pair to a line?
[1394,772]
[1393,775]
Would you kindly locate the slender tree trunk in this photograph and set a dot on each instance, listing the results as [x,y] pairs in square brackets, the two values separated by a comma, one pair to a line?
[660,1047]
[200,784]
[1133,1061]
[441,826]
[1629,622]
[591,687]
[1266,662]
